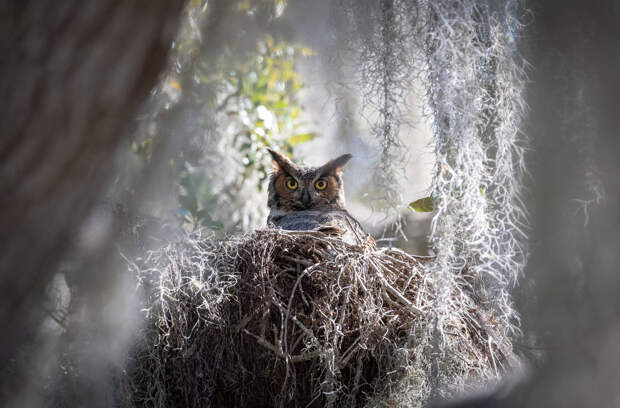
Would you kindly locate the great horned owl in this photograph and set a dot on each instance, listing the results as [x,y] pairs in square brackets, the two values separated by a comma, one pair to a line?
[311,198]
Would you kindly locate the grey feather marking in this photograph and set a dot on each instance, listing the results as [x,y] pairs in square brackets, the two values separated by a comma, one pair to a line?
[306,220]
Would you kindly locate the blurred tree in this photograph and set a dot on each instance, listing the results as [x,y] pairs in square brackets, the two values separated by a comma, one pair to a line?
[73,75]
[250,90]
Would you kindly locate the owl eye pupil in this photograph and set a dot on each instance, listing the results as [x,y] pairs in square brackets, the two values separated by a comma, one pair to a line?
[320,184]
[292,184]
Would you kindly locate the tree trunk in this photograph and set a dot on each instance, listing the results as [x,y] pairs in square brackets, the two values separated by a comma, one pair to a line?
[73,75]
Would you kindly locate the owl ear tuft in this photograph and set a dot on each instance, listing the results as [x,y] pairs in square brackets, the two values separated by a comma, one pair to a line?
[281,162]
[336,164]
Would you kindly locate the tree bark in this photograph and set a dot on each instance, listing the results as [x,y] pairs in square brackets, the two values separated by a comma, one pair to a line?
[73,75]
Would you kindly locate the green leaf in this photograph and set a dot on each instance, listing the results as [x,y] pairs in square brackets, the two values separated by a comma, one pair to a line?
[301,138]
[307,52]
[244,6]
[189,203]
[250,159]
[422,205]
[204,218]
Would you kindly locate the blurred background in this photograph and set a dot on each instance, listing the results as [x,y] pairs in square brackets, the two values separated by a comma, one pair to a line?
[127,124]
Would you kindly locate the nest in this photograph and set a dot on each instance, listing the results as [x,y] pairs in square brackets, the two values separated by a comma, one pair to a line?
[282,318]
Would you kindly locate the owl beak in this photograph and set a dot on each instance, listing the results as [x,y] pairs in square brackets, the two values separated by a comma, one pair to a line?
[305,197]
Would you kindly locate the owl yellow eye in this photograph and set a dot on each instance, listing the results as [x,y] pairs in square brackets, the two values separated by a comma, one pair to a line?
[320,184]
[291,183]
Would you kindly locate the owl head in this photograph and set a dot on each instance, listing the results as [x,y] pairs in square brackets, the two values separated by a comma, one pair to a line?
[296,188]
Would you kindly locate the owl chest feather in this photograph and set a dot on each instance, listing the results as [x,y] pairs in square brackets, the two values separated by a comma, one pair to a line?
[337,221]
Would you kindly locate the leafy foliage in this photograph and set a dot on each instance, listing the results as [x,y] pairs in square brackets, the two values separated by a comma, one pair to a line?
[238,101]
[262,96]
[196,199]
[422,205]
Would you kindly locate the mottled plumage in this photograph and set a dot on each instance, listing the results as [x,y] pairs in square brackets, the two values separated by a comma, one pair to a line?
[311,198]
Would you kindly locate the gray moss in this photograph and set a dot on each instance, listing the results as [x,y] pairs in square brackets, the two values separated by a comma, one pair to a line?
[278,318]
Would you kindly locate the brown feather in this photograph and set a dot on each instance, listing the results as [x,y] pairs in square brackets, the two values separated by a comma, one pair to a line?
[335,165]
[282,163]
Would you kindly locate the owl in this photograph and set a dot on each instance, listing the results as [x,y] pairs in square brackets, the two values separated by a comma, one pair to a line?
[311,198]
